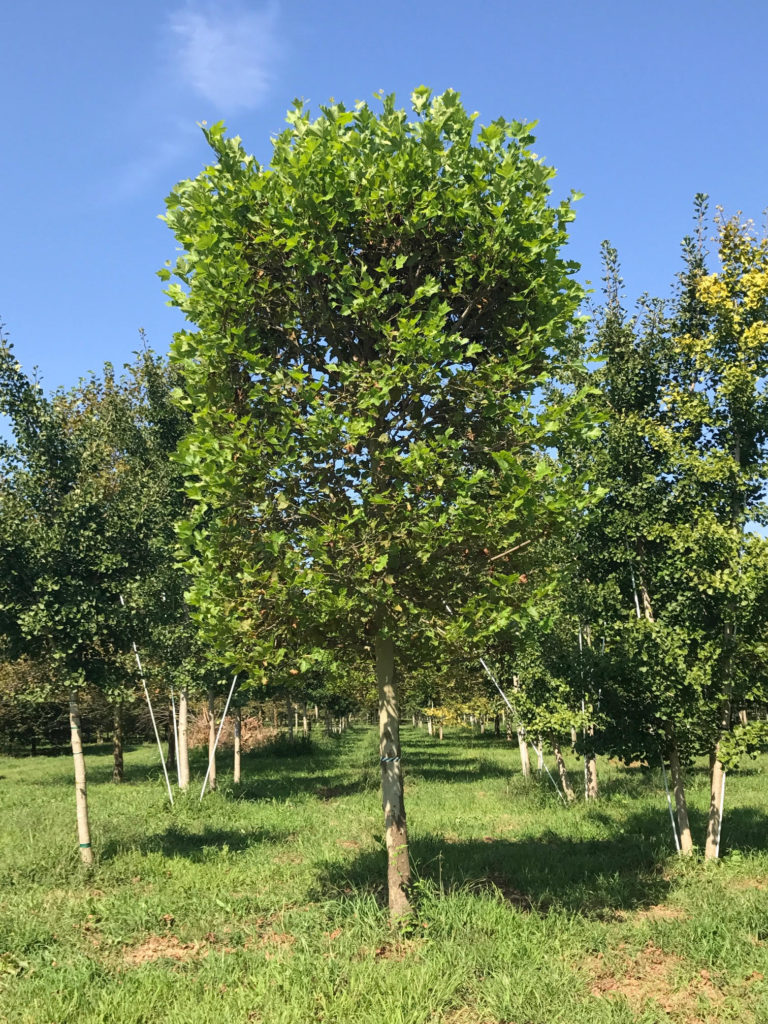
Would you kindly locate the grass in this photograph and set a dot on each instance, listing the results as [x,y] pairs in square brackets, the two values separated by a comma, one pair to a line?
[264,903]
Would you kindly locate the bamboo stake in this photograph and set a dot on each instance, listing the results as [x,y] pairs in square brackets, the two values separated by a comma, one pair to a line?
[669,807]
[151,715]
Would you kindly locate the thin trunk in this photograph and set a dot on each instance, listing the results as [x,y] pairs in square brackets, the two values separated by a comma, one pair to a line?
[717,771]
[117,743]
[683,825]
[289,717]
[170,761]
[590,776]
[81,793]
[237,727]
[497,725]
[743,719]
[211,739]
[715,823]
[183,739]
[316,713]
[540,756]
[525,760]
[429,725]
[398,869]
[565,782]
[304,720]
[440,730]
[574,739]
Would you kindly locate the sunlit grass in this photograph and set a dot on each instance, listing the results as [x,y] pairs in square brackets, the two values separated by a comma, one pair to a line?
[264,903]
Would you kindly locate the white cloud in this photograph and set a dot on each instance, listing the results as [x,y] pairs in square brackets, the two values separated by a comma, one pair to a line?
[225,51]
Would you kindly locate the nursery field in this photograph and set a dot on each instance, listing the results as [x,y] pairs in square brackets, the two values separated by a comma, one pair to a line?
[266,902]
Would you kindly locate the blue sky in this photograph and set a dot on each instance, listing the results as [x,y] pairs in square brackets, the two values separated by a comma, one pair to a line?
[639,107]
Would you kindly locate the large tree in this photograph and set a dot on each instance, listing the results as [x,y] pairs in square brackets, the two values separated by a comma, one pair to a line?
[375,312]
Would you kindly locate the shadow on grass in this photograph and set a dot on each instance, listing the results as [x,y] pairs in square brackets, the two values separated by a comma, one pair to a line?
[195,846]
[596,878]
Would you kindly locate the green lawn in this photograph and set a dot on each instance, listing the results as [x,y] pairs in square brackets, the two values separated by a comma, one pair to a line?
[263,904]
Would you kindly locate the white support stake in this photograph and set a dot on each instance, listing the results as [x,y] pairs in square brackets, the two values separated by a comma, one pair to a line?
[218,734]
[151,714]
[669,805]
[504,697]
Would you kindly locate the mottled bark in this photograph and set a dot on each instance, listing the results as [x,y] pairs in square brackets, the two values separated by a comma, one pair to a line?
[237,726]
[525,760]
[683,825]
[398,865]
[211,739]
[81,792]
[590,775]
[183,739]
[565,782]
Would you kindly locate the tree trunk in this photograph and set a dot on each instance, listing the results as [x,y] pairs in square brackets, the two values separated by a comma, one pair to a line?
[717,779]
[590,776]
[289,717]
[183,752]
[429,725]
[398,865]
[565,782]
[497,725]
[304,720]
[540,756]
[683,825]
[525,760]
[715,823]
[170,761]
[211,739]
[117,743]
[440,730]
[81,793]
[237,726]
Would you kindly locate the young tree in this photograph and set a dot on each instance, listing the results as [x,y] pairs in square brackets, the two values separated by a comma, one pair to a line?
[88,500]
[375,312]
[719,398]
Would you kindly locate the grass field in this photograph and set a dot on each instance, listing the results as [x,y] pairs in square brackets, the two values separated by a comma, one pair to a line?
[264,904]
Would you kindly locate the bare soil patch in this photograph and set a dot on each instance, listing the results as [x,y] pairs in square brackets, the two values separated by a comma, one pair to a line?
[649,976]
[163,947]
